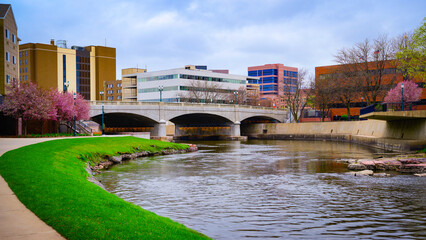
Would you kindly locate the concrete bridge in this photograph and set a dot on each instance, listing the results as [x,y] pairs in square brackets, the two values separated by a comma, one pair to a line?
[189,118]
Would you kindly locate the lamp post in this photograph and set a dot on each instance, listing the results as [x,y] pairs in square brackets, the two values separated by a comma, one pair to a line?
[75,117]
[235,95]
[161,88]
[66,85]
[102,99]
[402,96]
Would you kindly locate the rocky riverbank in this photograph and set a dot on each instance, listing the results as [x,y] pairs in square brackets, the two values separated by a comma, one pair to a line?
[111,160]
[415,163]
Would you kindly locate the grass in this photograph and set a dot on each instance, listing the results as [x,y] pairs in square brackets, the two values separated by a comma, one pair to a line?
[50,179]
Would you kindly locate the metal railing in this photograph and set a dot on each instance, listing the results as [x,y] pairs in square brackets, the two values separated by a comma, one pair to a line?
[180,104]
[386,107]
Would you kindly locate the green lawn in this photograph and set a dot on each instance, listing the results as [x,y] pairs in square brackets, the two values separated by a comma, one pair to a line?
[50,179]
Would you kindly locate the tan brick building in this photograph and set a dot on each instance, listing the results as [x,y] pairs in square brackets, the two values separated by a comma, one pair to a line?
[9,48]
[113,90]
[76,69]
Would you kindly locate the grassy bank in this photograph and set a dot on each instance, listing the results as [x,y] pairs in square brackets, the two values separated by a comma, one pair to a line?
[50,179]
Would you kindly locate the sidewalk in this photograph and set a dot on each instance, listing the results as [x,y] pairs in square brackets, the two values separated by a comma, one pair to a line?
[16,221]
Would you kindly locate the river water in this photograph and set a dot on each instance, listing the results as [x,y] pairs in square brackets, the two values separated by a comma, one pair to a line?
[274,190]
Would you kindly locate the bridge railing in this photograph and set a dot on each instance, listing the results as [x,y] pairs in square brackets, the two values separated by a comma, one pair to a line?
[213,105]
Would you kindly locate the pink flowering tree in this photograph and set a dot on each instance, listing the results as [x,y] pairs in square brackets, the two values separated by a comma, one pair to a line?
[82,108]
[28,102]
[412,93]
[67,109]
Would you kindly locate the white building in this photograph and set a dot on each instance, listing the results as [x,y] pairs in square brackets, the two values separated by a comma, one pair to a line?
[188,84]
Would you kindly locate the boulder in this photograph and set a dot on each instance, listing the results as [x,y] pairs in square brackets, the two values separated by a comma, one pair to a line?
[420,174]
[356,166]
[362,173]
[116,159]
[381,175]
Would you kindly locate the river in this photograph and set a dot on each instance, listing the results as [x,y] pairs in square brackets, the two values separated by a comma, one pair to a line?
[274,190]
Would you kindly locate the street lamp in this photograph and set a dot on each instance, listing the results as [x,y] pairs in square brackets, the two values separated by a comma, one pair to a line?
[235,94]
[402,96]
[102,99]
[161,88]
[66,85]
[75,117]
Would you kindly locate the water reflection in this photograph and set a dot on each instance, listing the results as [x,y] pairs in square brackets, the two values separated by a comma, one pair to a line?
[274,189]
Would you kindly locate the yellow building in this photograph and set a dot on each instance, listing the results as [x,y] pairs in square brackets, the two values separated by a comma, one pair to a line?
[129,84]
[9,48]
[76,69]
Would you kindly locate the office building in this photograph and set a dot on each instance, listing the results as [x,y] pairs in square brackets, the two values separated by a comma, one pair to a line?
[77,69]
[187,84]
[113,90]
[390,76]
[129,84]
[274,80]
[9,48]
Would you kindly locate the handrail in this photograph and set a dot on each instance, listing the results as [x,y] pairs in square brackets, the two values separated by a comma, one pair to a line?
[98,102]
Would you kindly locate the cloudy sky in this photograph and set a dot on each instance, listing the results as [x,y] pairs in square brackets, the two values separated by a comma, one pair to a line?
[223,34]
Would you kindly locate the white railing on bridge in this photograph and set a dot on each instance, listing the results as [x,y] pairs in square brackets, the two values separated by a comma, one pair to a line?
[183,104]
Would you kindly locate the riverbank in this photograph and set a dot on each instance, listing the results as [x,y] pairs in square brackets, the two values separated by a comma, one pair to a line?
[50,179]
[406,136]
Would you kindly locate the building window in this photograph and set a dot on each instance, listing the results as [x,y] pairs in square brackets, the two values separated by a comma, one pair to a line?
[118,97]
[7,33]
[118,84]
[13,38]
[119,91]
[14,60]
[7,57]
[7,79]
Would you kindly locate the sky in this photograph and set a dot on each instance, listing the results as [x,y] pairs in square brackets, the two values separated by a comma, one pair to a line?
[222,34]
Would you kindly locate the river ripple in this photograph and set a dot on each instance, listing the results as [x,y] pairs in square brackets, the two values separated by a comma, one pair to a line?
[274,190]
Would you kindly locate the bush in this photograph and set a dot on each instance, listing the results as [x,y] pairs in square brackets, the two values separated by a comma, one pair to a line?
[344,117]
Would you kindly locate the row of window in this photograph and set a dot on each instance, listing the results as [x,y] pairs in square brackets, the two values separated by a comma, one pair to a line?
[8,58]
[23,78]
[23,62]
[111,98]
[373,72]
[23,53]
[112,91]
[290,74]
[267,72]
[8,79]
[112,85]
[156,78]
[13,35]
[185,88]
[267,80]
[23,70]
[192,77]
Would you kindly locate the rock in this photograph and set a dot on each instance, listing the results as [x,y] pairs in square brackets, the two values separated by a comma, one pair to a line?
[381,175]
[356,166]
[362,173]
[116,159]
[420,174]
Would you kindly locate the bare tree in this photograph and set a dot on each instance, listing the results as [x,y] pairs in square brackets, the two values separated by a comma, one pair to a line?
[204,91]
[325,94]
[367,63]
[347,88]
[240,96]
[295,97]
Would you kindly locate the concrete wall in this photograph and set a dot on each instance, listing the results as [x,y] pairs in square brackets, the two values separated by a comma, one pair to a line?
[391,135]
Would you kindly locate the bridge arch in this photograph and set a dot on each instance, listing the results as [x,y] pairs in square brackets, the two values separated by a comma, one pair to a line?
[203,125]
[125,122]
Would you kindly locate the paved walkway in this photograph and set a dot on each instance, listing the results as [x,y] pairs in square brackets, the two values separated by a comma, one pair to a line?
[16,221]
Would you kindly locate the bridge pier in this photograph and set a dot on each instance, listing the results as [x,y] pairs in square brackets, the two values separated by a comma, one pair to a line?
[235,129]
[160,129]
